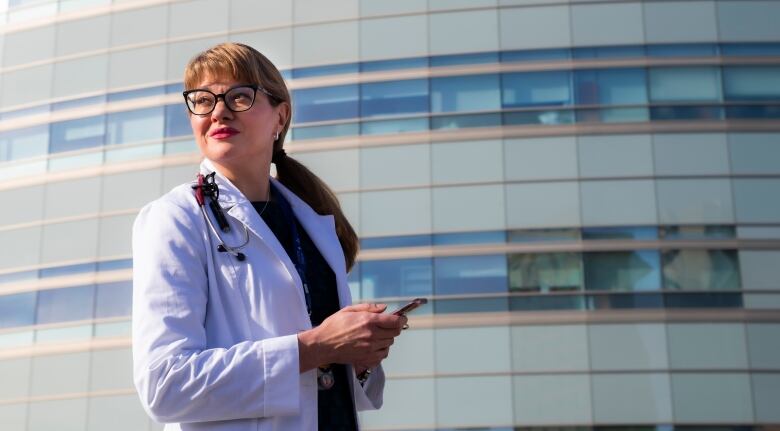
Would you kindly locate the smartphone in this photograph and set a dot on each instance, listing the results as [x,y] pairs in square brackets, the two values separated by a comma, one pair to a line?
[414,303]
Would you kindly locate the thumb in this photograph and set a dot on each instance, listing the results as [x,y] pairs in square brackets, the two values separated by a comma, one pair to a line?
[368,307]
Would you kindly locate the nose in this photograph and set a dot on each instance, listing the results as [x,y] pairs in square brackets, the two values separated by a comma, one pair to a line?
[221,110]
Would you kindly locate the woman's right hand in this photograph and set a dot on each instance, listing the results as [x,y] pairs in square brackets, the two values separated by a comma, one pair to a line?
[355,334]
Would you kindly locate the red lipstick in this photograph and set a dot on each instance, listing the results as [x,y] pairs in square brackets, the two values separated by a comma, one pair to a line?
[223,133]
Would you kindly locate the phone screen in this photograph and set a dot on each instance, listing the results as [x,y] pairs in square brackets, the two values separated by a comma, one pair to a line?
[413,304]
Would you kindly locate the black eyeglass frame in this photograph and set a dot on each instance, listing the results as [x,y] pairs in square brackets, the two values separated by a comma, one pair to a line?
[254,87]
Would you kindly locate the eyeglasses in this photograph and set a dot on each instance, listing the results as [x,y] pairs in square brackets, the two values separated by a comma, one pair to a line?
[237,99]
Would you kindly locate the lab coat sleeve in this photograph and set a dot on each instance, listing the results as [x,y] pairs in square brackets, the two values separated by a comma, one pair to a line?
[177,377]
[369,395]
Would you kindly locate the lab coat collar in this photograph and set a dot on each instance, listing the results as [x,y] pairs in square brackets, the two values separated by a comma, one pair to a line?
[320,228]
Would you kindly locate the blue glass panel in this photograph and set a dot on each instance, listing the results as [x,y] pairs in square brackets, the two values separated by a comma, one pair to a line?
[470,305]
[628,233]
[78,134]
[318,132]
[325,103]
[491,237]
[114,299]
[546,117]
[395,97]
[58,271]
[682,50]
[135,126]
[77,103]
[753,111]
[177,122]
[457,59]
[112,265]
[394,278]
[17,310]
[700,270]
[385,127]
[18,276]
[693,112]
[546,302]
[404,63]
[610,87]
[545,272]
[465,121]
[23,143]
[612,115]
[627,51]
[703,300]
[286,74]
[176,88]
[332,69]
[353,280]
[544,235]
[62,305]
[395,241]
[623,300]
[750,49]
[470,274]
[697,232]
[465,93]
[623,270]
[536,55]
[35,110]
[536,89]
[751,83]
[135,94]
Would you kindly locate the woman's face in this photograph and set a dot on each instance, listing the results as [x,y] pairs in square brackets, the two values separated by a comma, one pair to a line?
[237,140]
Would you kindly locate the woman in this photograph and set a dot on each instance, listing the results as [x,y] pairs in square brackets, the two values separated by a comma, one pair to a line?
[241,315]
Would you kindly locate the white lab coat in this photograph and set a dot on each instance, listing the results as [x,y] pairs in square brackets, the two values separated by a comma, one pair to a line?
[214,339]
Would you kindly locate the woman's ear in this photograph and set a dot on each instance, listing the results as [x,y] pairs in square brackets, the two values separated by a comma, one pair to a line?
[283,109]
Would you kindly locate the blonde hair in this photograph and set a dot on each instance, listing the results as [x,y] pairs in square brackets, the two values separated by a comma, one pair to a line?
[247,65]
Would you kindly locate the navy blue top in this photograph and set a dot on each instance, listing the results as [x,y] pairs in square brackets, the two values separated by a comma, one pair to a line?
[335,410]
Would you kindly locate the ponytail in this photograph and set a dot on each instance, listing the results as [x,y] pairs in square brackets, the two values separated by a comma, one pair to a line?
[301,181]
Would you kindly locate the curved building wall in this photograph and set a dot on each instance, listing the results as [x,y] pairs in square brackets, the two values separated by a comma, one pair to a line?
[589,192]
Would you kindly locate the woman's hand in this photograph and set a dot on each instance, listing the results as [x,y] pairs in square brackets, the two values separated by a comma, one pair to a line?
[356,334]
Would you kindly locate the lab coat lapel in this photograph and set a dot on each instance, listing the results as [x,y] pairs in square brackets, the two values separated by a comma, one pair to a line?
[322,231]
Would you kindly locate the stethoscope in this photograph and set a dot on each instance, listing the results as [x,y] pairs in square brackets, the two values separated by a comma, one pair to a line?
[207,187]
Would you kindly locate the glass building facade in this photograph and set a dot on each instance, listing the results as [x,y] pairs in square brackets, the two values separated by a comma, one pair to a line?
[587,191]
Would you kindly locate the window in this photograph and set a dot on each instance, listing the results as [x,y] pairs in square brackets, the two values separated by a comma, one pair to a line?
[622,270]
[114,299]
[610,87]
[78,134]
[545,272]
[326,103]
[133,126]
[397,97]
[62,305]
[465,93]
[700,269]
[751,83]
[684,84]
[24,143]
[394,278]
[176,121]
[470,274]
[536,89]
[17,310]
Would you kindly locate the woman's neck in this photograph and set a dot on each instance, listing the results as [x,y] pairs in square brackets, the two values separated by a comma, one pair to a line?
[253,183]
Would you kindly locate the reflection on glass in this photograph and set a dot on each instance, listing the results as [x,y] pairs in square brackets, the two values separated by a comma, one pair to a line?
[696,232]
[395,241]
[325,103]
[386,127]
[112,329]
[470,305]
[393,278]
[353,280]
[394,97]
[458,59]
[700,269]
[66,304]
[626,51]
[536,55]
[632,233]
[680,84]
[114,299]
[17,309]
[404,63]
[545,272]
[318,132]
[703,300]
[695,112]
[113,265]
[134,126]
[70,333]
[547,117]
[546,302]
[133,153]
[18,276]
[750,49]
[753,111]
[526,89]
[682,50]
[78,134]
[17,339]
[612,115]
[610,87]
[751,83]
[78,103]
[59,163]
[58,271]
[624,300]
[331,69]
[178,147]
[23,143]
[465,93]
[622,270]
[544,235]
[176,121]
[470,274]
[138,93]
[465,121]
[489,237]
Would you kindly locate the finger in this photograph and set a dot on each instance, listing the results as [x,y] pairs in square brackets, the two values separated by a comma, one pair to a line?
[389,321]
[368,307]
[379,333]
